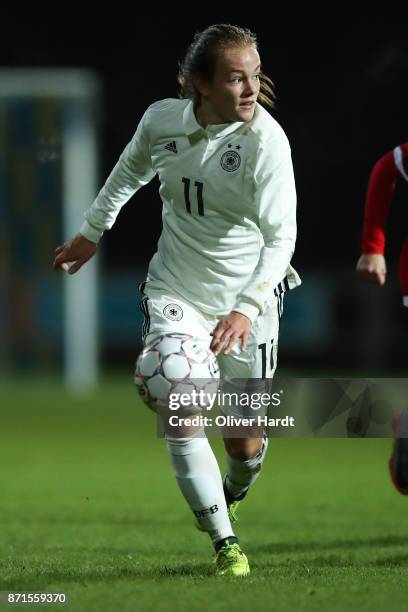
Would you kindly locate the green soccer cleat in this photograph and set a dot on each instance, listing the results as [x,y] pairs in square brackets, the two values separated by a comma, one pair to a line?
[232,502]
[231,561]
[232,511]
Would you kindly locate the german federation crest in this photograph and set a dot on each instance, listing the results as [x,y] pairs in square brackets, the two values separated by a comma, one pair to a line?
[230,161]
[173,312]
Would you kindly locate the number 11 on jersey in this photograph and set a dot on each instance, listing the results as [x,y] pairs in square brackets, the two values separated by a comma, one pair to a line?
[200,201]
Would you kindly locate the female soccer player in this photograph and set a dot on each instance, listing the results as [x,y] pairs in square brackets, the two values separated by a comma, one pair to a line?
[223,258]
[371,266]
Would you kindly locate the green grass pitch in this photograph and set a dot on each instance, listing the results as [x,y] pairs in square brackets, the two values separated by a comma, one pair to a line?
[89,506]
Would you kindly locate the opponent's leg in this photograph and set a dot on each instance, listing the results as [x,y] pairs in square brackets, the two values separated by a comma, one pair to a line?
[398,463]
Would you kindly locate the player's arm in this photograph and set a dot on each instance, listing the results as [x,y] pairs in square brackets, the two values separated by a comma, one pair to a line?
[133,170]
[275,199]
[371,265]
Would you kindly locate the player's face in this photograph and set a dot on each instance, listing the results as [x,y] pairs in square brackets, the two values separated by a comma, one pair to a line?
[235,87]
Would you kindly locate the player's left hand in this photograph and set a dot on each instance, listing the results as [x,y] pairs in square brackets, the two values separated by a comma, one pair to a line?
[231,328]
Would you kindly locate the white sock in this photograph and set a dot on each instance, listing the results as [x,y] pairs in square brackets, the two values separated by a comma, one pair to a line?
[241,474]
[200,482]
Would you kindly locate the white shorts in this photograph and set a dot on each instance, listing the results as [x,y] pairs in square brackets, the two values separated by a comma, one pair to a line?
[165,313]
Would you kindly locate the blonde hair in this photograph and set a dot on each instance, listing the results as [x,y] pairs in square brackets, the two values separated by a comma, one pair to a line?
[201,57]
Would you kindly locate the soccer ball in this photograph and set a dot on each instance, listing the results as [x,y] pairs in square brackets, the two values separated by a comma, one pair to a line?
[176,364]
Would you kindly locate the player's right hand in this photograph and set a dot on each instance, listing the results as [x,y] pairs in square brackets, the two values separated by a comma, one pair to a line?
[79,249]
[372,268]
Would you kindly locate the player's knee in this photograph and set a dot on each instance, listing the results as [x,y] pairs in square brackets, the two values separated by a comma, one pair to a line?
[243,448]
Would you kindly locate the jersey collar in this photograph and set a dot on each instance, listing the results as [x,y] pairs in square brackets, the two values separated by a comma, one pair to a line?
[191,125]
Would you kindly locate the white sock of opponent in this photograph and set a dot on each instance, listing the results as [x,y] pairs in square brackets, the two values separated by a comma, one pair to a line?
[241,474]
[200,482]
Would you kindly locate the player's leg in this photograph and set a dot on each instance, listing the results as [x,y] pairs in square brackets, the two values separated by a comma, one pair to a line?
[398,463]
[198,476]
[199,479]
[244,464]
[251,371]
[193,461]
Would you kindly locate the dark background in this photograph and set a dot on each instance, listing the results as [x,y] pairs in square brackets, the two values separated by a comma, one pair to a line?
[342,98]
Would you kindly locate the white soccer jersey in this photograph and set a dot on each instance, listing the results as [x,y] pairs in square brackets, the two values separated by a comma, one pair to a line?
[229,206]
